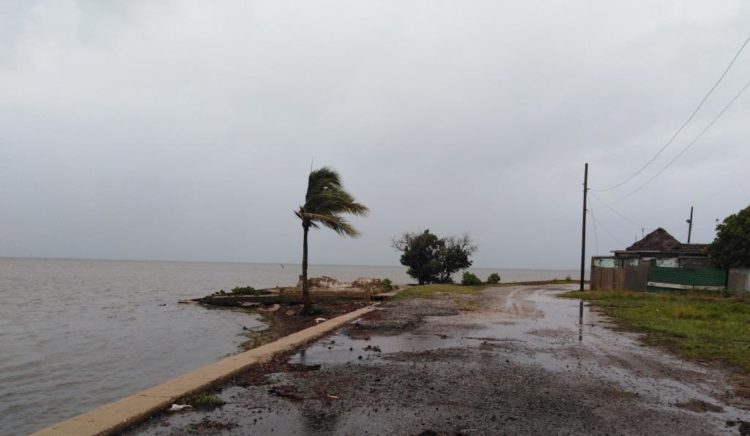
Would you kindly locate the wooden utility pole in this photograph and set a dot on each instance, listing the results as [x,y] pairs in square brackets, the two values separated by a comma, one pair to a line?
[690,224]
[583,227]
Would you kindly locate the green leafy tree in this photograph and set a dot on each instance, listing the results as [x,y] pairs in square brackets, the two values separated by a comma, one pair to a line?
[454,256]
[431,259]
[420,252]
[326,201]
[731,248]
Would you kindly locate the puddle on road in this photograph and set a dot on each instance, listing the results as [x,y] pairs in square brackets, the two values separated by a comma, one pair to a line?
[563,336]
[559,324]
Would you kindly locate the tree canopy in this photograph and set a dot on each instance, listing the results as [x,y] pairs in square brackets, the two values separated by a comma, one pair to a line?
[731,248]
[432,259]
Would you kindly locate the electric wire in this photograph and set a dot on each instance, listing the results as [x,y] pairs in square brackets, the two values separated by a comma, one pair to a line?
[638,225]
[687,147]
[682,127]
[596,236]
[614,238]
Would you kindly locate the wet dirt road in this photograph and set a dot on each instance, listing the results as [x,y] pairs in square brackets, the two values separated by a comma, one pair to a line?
[520,362]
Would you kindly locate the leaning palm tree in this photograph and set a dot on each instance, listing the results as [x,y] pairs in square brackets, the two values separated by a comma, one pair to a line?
[325,201]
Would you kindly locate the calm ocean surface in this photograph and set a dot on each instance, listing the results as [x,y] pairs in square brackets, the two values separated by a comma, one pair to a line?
[75,334]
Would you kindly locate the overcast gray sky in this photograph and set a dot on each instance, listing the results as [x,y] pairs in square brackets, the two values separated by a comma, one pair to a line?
[185,130]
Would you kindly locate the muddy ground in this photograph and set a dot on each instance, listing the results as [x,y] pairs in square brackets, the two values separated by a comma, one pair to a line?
[520,364]
[284,319]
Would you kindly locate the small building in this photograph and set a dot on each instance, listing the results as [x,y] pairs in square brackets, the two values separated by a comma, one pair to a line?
[657,262]
[662,248]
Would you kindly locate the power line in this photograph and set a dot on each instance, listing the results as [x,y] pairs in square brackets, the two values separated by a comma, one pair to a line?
[687,147]
[614,238]
[596,236]
[690,118]
[596,197]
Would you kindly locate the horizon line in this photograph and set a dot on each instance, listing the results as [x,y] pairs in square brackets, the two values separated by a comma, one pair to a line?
[109,259]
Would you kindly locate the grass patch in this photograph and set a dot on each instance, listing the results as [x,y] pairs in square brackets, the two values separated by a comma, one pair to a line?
[695,325]
[204,400]
[439,290]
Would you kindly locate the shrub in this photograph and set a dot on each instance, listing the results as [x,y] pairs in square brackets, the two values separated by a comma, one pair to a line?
[387,284]
[493,279]
[568,279]
[470,279]
[246,290]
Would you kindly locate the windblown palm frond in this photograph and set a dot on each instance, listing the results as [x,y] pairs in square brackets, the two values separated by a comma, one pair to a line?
[326,199]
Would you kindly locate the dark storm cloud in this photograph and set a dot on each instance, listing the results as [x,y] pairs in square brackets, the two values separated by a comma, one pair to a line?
[184,130]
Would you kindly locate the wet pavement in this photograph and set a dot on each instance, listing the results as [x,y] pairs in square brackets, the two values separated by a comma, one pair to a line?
[522,362]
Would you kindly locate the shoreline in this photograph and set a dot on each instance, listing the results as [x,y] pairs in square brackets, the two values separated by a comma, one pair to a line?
[122,414]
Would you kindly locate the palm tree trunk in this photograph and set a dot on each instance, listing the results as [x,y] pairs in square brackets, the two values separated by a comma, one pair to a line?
[305,290]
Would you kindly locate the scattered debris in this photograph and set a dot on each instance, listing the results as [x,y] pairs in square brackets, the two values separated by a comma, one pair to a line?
[374,348]
[299,367]
[177,407]
[744,426]
[319,320]
[699,406]
[274,307]
[209,424]
[286,391]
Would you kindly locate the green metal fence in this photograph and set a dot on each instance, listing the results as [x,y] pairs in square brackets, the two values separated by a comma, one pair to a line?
[669,279]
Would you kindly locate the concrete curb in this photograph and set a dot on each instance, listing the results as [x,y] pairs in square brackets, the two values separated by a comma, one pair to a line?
[124,413]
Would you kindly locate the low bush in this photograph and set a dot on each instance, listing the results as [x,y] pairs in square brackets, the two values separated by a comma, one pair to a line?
[493,279]
[470,279]
[246,290]
[387,285]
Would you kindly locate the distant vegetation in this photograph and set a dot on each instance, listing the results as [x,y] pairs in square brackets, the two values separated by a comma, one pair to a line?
[431,259]
[246,290]
[470,279]
[387,285]
[493,279]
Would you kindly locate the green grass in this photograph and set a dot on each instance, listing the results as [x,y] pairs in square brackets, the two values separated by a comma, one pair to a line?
[695,325]
[439,290]
[205,400]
